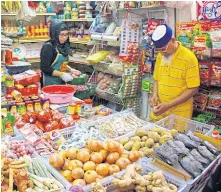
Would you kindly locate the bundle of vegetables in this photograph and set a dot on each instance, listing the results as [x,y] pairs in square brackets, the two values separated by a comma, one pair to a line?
[146,141]
[96,161]
[45,120]
[26,174]
[152,182]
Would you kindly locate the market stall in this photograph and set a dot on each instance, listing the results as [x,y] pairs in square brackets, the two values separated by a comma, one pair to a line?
[94,133]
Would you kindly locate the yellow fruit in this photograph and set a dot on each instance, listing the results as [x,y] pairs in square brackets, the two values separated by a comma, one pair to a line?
[89,165]
[136,146]
[128,146]
[141,133]
[124,140]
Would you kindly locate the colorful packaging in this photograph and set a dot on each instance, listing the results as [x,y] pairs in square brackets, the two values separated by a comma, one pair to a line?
[55,138]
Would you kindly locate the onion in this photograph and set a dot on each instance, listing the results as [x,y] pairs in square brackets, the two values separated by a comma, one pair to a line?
[56,160]
[76,189]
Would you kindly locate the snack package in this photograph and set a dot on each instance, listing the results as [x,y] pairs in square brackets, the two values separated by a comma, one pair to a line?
[216,75]
[204,74]
[55,138]
[200,99]
[214,101]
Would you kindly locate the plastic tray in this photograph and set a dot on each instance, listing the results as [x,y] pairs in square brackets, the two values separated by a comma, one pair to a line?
[17,69]
[183,124]
[82,94]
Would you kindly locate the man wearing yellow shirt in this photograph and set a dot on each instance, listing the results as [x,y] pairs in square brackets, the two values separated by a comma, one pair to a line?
[176,76]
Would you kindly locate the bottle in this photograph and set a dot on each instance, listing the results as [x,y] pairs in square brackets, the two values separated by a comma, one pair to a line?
[215,134]
[8,124]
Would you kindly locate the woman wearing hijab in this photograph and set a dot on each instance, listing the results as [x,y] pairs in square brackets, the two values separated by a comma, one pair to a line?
[54,55]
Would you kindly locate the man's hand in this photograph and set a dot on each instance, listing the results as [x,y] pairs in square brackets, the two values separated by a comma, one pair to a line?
[153,101]
[161,108]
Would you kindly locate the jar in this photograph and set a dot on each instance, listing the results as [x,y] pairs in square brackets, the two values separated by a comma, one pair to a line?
[79,105]
[13,109]
[21,108]
[34,97]
[29,106]
[37,106]
[88,105]
[71,108]
[17,95]
[9,81]
[45,103]
[215,134]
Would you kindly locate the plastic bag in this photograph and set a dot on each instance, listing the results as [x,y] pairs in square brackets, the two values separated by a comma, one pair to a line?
[97,57]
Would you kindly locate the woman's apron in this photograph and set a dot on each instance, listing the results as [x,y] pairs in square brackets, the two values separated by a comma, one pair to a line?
[60,64]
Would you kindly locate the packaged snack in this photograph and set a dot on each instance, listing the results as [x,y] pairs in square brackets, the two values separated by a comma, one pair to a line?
[214,100]
[216,75]
[55,138]
[200,99]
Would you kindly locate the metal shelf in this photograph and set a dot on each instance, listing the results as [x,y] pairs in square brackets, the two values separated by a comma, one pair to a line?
[78,20]
[37,14]
[151,7]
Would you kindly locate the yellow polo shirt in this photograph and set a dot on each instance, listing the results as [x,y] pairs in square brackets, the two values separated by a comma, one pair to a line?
[174,78]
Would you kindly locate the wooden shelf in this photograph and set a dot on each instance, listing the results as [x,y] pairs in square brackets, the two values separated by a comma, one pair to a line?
[78,20]
[37,14]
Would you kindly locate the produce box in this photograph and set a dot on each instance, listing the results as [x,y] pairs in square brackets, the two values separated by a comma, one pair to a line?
[26,78]
[193,184]
[184,125]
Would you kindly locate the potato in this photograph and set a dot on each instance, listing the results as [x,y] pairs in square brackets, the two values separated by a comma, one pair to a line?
[149,143]
[141,132]
[144,138]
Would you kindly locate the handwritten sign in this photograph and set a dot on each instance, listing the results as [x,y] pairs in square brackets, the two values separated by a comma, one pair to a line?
[209,10]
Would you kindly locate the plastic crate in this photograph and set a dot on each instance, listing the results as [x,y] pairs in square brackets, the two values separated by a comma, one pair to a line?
[53,173]
[146,165]
[184,125]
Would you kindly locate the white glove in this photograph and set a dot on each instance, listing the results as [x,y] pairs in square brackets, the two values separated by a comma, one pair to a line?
[66,77]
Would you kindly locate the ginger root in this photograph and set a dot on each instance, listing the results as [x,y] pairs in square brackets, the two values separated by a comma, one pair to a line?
[97,187]
[153,181]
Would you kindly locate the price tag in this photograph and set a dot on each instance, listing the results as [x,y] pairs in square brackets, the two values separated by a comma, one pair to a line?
[146,85]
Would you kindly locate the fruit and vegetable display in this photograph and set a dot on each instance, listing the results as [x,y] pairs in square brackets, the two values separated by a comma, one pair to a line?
[146,141]
[132,179]
[187,153]
[26,174]
[110,127]
[96,161]
[46,120]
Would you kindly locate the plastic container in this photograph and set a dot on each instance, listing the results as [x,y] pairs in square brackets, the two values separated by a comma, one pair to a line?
[80,80]
[184,125]
[71,108]
[88,103]
[17,69]
[79,105]
[28,79]
[215,134]
[59,93]
[28,91]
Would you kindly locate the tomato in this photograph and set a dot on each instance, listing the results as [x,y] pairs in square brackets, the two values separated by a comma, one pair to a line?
[58,116]
[43,116]
[32,118]
[25,117]
[40,125]
[20,123]
[49,112]
[64,123]
[52,125]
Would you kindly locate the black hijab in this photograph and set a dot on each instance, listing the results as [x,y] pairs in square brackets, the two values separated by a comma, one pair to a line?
[55,29]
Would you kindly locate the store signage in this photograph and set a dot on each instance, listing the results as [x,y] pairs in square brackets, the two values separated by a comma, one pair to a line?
[209,10]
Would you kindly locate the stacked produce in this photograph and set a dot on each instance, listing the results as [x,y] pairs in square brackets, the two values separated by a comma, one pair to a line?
[46,120]
[25,174]
[187,153]
[153,181]
[146,141]
[96,161]
[111,127]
